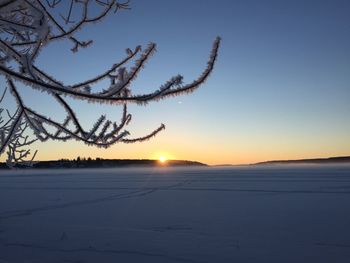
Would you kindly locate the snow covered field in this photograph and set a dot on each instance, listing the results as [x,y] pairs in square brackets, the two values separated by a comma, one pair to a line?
[176,215]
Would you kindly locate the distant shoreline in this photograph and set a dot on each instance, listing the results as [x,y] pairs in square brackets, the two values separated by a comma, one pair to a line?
[329,160]
[107,163]
[138,163]
[311,161]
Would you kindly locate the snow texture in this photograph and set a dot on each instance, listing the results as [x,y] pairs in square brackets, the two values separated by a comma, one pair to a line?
[176,215]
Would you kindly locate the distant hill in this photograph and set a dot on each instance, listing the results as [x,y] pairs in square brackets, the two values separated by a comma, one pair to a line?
[109,163]
[330,160]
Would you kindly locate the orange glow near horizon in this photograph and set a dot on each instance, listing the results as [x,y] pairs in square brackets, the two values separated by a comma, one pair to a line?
[242,157]
[213,152]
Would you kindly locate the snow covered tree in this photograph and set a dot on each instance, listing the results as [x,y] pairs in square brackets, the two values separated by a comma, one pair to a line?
[26,27]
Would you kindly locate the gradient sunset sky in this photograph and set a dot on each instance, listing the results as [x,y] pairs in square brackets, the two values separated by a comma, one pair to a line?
[280,88]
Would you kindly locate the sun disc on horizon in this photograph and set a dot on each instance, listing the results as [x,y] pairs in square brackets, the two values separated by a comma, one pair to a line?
[162,159]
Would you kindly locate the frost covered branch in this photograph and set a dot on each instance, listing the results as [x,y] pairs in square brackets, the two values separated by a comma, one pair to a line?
[27,26]
[13,138]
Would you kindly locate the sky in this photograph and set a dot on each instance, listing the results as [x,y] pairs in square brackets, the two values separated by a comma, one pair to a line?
[280,88]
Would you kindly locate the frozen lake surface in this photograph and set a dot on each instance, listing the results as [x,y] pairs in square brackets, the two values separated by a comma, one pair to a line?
[176,215]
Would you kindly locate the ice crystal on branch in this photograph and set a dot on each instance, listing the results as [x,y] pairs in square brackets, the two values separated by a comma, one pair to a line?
[12,137]
[27,26]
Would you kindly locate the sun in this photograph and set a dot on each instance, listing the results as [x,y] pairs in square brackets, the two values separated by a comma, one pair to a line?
[162,159]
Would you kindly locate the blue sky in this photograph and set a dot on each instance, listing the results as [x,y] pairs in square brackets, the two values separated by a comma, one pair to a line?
[280,89]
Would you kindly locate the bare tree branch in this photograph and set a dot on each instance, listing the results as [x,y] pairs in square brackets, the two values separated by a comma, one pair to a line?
[26,27]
